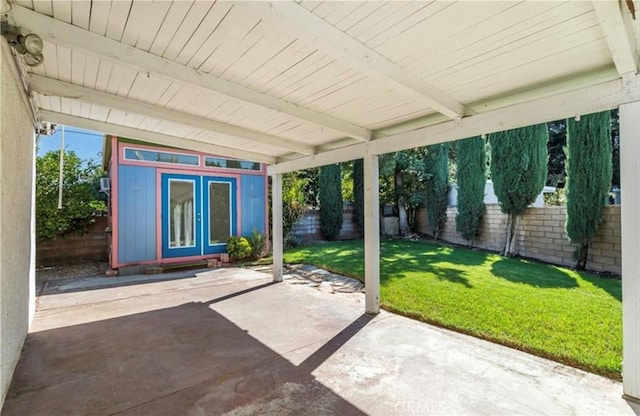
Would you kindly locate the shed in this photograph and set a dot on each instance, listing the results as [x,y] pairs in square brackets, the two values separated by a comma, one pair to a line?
[170,205]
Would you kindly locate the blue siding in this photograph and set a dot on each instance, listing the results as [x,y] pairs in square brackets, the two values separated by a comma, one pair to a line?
[136,213]
[253,204]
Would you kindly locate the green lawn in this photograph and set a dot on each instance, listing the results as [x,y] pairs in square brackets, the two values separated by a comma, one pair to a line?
[572,317]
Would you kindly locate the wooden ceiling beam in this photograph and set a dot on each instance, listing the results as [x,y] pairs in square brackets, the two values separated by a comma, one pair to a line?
[49,86]
[620,37]
[152,136]
[76,38]
[340,45]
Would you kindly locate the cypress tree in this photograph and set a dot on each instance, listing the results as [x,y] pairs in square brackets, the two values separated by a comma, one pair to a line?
[330,198]
[437,172]
[518,170]
[358,192]
[589,171]
[471,177]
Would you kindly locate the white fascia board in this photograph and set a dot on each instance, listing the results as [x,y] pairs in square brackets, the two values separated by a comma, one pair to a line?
[343,154]
[49,86]
[584,101]
[76,38]
[587,100]
[152,137]
[546,89]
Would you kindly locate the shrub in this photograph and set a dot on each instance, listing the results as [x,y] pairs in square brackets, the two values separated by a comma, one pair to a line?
[81,203]
[257,242]
[238,248]
[330,195]
[358,192]
[291,241]
[556,199]
[293,200]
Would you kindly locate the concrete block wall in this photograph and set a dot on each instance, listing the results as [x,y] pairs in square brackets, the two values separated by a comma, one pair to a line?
[605,253]
[541,235]
[308,228]
[492,230]
[73,247]
[390,226]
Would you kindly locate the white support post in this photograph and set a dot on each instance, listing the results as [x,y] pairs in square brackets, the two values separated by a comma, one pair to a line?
[630,186]
[276,212]
[371,234]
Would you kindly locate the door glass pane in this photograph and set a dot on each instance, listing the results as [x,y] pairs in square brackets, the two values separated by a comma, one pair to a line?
[219,212]
[181,213]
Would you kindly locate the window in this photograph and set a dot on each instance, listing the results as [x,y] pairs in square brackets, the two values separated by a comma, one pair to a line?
[161,157]
[218,162]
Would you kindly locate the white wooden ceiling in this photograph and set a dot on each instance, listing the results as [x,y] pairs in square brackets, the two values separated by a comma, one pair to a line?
[289,80]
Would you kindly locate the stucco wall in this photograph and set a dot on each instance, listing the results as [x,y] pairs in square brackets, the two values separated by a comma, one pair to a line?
[16,230]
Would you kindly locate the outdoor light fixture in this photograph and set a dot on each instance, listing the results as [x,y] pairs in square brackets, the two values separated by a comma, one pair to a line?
[30,46]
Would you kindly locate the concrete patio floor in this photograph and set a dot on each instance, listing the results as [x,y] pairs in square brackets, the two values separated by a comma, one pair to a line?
[228,341]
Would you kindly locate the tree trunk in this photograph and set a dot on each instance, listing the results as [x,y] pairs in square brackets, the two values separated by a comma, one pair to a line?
[402,218]
[411,218]
[508,239]
[514,229]
[509,247]
[402,211]
[581,255]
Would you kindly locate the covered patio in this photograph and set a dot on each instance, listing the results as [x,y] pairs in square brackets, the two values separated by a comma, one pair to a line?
[309,83]
[231,342]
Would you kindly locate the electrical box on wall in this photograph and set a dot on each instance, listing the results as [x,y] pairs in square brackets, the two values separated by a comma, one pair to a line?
[105,185]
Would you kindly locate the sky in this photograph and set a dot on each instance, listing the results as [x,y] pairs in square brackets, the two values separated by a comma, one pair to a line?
[86,143]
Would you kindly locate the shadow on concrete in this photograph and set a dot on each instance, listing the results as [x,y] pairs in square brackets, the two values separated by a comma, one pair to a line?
[330,347]
[183,360]
[83,284]
[633,404]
